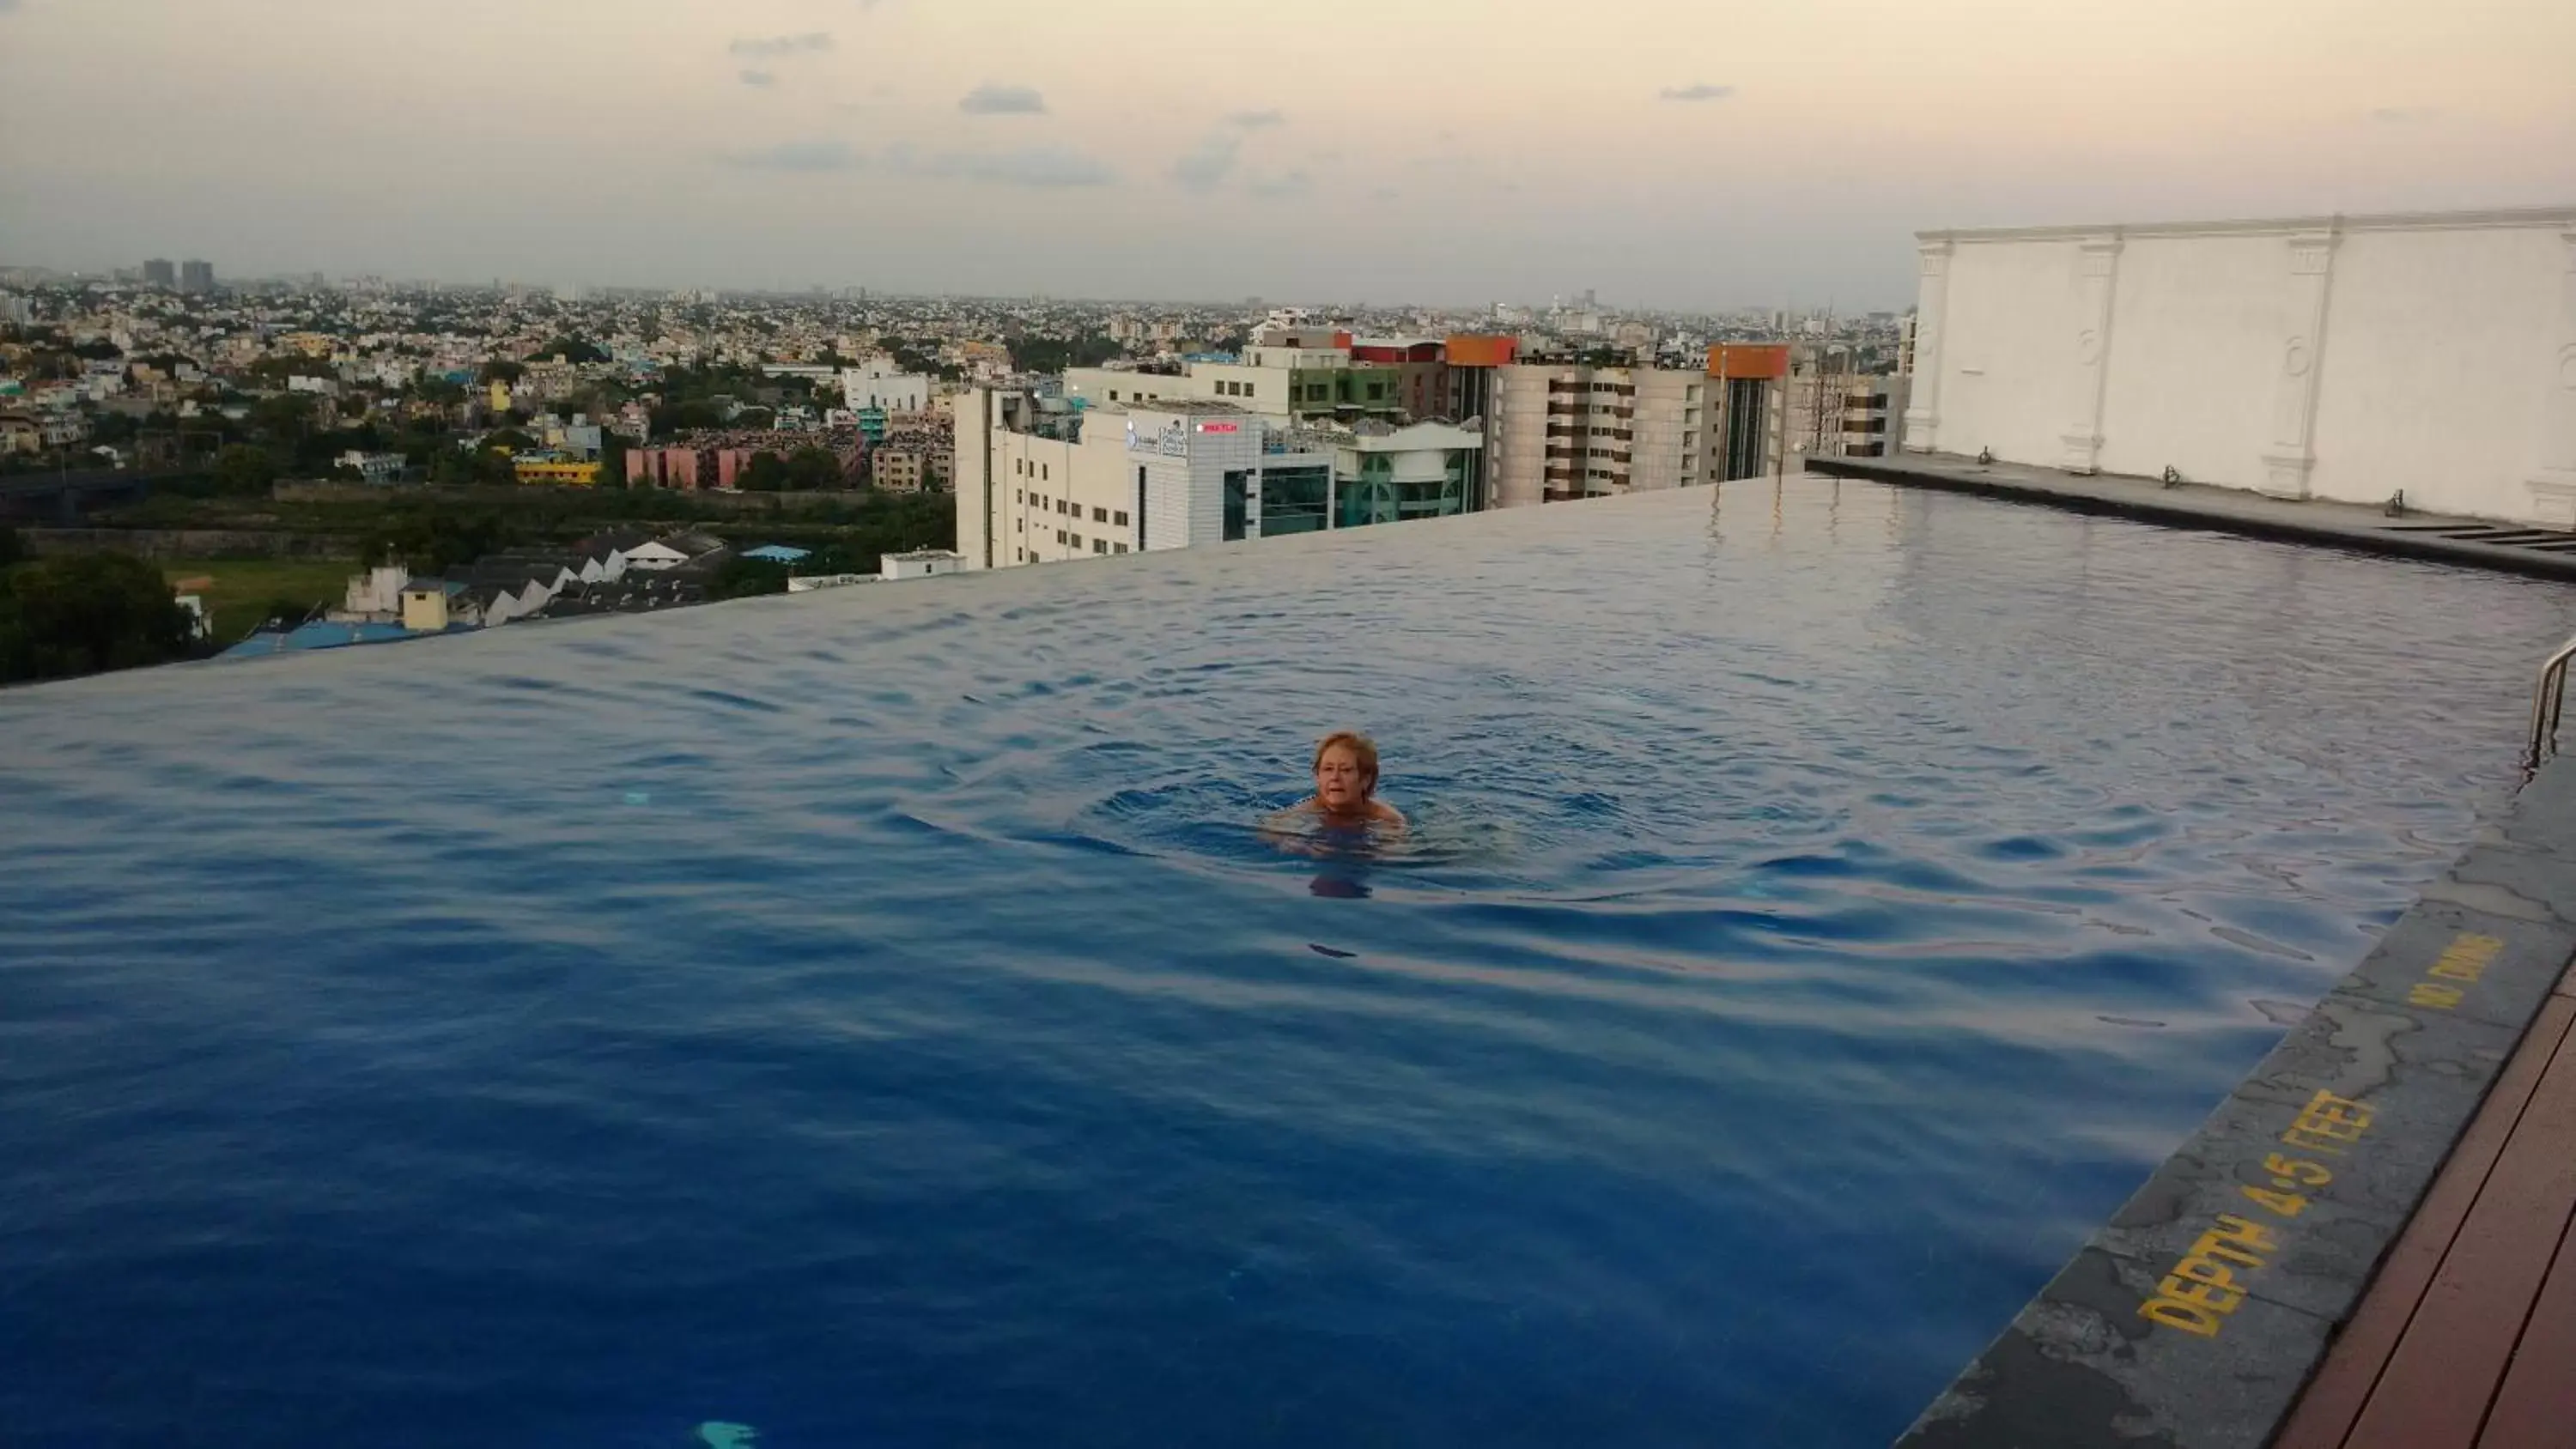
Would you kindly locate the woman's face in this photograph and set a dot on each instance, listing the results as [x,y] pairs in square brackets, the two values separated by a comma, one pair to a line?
[1338,782]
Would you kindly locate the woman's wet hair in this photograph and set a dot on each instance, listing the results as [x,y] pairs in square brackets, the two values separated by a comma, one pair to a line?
[1362,747]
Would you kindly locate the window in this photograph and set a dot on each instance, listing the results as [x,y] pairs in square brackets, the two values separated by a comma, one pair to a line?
[1377,389]
[1075,540]
[1019,525]
[1122,548]
[1019,495]
[1119,518]
[1017,464]
[1042,470]
[1059,535]
[1113,394]
[1099,514]
[1021,554]
[1100,545]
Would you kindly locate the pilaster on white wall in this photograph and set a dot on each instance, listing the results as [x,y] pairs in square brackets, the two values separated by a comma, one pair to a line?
[2097,266]
[1922,412]
[2553,484]
[2287,463]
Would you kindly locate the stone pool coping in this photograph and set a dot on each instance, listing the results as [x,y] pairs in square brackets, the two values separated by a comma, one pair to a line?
[2233,510]
[2196,1316]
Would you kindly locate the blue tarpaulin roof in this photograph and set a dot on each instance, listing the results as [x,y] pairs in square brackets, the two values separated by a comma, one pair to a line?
[778,553]
[320,634]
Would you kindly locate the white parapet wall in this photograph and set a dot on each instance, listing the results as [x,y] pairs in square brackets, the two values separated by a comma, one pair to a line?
[2348,358]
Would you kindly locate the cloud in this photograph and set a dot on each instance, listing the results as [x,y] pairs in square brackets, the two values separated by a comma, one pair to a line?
[769,47]
[1039,167]
[1206,168]
[996,100]
[1285,185]
[1256,120]
[1702,91]
[798,156]
[760,78]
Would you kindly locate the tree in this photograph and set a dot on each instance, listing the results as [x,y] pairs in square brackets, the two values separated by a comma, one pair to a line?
[612,459]
[572,349]
[1055,354]
[244,470]
[12,547]
[84,612]
[767,473]
[502,370]
[695,415]
[285,612]
[812,468]
[742,578]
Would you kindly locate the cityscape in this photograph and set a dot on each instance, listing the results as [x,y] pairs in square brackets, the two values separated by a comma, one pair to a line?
[832,723]
[374,407]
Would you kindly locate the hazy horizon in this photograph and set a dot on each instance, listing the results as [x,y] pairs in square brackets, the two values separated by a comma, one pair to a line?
[1668,154]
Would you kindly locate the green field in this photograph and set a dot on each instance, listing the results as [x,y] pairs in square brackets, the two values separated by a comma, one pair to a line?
[243,587]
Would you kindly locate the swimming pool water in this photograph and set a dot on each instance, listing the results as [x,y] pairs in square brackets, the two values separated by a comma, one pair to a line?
[869,1018]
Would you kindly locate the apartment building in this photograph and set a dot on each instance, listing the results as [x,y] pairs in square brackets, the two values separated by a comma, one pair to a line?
[1585,427]
[1563,431]
[1843,415]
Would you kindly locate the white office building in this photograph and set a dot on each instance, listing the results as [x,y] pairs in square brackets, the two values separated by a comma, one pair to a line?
[1042,482]
[2351,358]
[875,385]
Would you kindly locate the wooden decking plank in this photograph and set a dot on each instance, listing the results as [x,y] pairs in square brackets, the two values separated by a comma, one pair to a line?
[2536,1408]
[2335,1397]
[2436,1389]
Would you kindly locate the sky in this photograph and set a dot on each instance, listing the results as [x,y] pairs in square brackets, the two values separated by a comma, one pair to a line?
[1663,153]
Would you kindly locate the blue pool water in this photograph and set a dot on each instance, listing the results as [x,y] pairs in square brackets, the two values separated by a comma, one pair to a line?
[868,1018]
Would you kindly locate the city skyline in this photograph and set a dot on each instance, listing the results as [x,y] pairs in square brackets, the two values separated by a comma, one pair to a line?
[1670,155]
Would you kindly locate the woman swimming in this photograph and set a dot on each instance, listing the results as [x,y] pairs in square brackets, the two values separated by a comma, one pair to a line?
[1345,795]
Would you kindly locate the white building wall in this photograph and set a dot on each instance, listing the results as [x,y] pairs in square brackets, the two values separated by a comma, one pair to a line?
[1263,390]
[895,392]
[1106,386]
[2189,365]
[2340,358]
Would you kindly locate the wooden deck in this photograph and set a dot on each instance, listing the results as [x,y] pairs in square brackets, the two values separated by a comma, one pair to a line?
[2466,1339]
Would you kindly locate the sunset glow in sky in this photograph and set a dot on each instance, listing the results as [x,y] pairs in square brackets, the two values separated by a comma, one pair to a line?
[1665,152]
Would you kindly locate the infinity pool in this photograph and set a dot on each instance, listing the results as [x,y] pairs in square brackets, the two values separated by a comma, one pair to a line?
[868,1017]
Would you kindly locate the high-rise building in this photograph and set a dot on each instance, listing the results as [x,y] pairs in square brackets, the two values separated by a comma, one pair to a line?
[1843,414]
[1567,428]
[159,273]
[196,276]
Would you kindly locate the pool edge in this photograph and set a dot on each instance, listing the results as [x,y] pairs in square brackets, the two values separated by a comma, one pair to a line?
[2225,510]
[2197,1315]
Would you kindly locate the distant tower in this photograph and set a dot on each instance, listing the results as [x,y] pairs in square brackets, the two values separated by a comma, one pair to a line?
[196,276]
[159,273]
